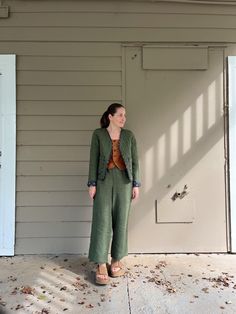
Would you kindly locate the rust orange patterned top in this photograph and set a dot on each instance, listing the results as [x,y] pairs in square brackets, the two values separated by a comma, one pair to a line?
[116,159]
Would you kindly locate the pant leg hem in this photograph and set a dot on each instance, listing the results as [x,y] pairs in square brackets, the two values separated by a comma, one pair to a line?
[97,260]
[119,257]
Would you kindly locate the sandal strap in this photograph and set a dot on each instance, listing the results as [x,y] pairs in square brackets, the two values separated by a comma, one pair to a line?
[102,270]
[118,264]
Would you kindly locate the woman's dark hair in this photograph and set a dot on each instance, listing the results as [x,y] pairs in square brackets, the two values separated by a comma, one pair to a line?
[105,121]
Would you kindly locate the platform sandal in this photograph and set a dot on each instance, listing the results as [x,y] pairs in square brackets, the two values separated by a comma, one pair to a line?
[117,273]
[101,271]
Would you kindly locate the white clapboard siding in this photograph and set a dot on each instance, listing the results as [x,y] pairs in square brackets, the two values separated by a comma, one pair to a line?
[60,63]
[135,34]
[53,229]
[50,245]
[56,168]
[118,6]
[73,49]
[57,122]
[69,69]
[118,20]
[69,78]
[53,153]
[70,198]
[53,213]
[53,137]
[51,183]
[67,92]
[62,107]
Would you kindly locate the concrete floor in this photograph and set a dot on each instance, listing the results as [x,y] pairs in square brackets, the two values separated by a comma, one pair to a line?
[154,283]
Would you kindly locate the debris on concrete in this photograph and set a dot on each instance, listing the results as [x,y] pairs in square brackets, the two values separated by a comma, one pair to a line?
[153,283]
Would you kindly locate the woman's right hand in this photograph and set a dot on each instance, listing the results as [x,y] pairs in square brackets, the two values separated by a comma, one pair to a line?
[92,191]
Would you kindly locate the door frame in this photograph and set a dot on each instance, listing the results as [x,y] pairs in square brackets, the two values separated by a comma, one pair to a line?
[232,148]
[8,153]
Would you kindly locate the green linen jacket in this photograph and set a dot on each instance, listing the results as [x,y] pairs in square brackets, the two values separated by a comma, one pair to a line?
[101,150]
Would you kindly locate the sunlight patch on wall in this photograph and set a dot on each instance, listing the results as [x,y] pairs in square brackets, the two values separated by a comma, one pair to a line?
[187,130]
[211,105]
[161,156]
[199,117]
[174,143]
[149,171]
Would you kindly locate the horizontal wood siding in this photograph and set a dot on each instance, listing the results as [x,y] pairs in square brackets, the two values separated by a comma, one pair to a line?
[69,69]
[118,21]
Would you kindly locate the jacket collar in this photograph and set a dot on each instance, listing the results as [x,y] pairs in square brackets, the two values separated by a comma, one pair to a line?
[122,139]
[121,134]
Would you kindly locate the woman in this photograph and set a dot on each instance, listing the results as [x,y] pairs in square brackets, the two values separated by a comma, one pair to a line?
[113,182]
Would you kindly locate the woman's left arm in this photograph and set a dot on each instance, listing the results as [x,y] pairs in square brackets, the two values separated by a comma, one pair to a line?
[135,169]
[135,163]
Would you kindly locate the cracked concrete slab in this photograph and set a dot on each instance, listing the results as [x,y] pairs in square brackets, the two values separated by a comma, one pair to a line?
[154,283]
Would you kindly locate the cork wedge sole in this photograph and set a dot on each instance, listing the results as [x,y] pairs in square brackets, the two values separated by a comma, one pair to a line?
[102,271]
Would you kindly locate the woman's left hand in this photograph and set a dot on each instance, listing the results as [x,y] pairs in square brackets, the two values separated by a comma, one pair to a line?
[135,193]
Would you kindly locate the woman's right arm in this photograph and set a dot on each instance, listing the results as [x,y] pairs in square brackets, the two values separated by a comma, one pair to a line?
[93,163]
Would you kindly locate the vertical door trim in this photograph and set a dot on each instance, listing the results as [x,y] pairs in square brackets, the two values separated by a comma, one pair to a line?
[232,147]
[8,153]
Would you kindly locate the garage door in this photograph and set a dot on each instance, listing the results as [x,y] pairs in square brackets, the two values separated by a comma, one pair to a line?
[174,103]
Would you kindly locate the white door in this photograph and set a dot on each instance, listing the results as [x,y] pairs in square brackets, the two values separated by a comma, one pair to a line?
[174,103]
[232,146]
[7,153]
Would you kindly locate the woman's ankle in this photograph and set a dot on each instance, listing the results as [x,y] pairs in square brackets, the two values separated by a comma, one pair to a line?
[113,260]
[101,264]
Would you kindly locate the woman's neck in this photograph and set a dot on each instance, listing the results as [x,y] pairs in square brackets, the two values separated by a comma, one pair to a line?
[113,129]
[114,132]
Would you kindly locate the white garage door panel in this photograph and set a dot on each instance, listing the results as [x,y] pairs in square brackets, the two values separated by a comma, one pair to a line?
[177,117]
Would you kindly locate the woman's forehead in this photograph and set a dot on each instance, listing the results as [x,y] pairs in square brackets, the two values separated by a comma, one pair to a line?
[120,110]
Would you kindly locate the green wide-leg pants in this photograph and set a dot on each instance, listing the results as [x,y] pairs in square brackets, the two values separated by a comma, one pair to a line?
[111,208]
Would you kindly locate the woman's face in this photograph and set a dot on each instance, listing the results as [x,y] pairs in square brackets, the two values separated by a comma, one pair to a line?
[119,117]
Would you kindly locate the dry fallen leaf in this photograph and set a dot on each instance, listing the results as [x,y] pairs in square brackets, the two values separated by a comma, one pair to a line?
[220,280]
[14,292]
[113,284]
[206,290]
[3,303]
[161,264]
[27,290]
[19,306]
[90,306]
[11,278]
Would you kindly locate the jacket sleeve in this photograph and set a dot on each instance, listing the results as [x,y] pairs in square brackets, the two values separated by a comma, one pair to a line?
[93,162]
[135,163]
